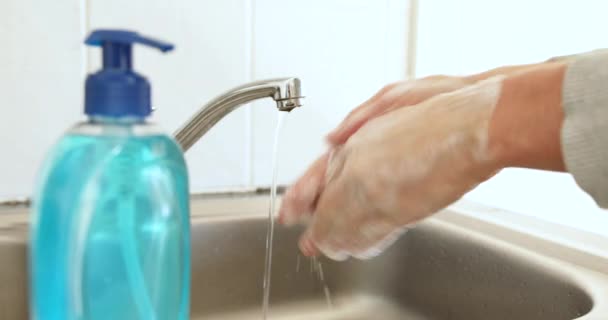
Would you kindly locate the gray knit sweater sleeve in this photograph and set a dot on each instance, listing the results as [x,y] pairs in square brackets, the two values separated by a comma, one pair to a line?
[584,133]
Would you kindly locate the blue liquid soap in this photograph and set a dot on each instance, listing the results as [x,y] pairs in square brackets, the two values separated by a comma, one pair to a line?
[110,234]
[110,239]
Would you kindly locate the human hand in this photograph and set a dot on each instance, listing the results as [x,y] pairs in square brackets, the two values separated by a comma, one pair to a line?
[396,169]
[393,96]
[301,197]
[299,201]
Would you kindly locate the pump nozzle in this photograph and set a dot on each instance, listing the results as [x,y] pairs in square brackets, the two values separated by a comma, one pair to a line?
[116,90]
[117,44]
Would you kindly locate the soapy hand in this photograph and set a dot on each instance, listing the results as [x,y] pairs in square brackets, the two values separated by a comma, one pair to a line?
[300,199]
[384,174]
[393,96]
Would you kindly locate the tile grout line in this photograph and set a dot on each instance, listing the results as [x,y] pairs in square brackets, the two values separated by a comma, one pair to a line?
[85,21]
[412,39]
[387,37]
[250,75]
[399,36]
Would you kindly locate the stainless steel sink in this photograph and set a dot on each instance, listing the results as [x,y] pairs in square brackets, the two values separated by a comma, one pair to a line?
[436,271]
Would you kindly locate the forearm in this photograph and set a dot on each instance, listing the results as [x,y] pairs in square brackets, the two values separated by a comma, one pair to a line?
[505,70]
[525,127]
[510,70]
[554,116]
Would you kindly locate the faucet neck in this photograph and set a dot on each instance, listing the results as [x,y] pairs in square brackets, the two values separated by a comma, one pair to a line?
[285,92]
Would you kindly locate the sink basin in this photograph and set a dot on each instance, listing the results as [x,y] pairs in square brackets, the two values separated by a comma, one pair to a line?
[438,270]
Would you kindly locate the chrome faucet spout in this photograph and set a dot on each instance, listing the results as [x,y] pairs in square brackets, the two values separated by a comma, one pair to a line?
[286,92]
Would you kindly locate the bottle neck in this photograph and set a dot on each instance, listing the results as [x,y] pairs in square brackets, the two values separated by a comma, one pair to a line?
[96,119]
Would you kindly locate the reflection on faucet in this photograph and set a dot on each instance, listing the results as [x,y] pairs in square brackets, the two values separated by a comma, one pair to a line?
[285,91]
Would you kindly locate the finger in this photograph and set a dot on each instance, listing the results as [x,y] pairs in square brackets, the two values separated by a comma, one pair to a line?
[334,165]
[361,240]
[358,117]
[346,224]
[307,246]
[331,216]
[391,97]
[383,236]
[299,201]
[310,249]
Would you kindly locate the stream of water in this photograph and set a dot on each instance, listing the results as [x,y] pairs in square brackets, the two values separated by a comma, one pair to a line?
[315,264]
[273,196]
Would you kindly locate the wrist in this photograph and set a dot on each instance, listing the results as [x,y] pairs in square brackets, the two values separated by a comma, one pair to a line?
[525,126]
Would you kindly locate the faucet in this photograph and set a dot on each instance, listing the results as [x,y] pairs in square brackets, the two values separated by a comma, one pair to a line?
[285,92]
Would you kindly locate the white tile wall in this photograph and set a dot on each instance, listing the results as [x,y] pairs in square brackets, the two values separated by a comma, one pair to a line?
[459,37]
[467,36]
[343,51]
[41,69]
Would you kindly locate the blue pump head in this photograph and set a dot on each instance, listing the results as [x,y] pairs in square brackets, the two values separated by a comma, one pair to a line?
[116,90]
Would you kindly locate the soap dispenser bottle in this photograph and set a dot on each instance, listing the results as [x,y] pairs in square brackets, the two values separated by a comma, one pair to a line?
[110,234]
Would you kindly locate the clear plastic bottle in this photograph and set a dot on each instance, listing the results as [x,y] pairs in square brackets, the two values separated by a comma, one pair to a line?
[110,232]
